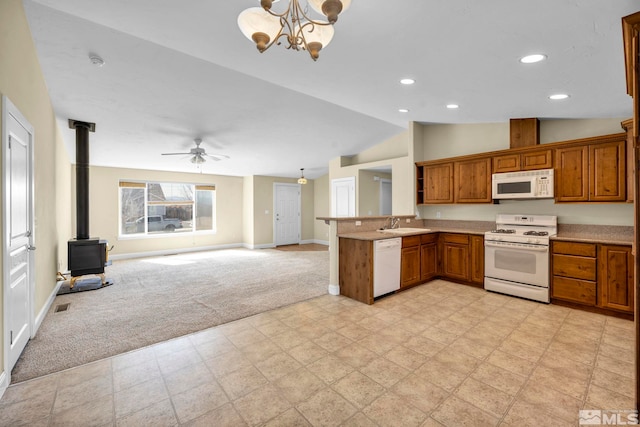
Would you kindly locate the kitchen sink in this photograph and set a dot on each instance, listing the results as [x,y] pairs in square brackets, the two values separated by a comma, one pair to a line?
[407,230]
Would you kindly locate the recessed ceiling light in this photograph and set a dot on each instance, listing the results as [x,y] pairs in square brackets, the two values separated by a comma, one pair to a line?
[403,110]
[558,96]
[407,81]
[452,106]
[531,59]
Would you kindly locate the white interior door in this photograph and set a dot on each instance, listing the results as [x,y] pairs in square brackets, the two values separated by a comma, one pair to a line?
[385,197]
[343,197]
[18,225]
[287,214]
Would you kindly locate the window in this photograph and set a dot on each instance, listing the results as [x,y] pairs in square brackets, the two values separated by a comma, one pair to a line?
[156,208]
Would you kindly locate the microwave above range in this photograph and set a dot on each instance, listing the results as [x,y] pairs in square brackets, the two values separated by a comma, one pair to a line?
[536,184]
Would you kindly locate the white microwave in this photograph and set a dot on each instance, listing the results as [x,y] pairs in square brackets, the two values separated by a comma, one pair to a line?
[536,184]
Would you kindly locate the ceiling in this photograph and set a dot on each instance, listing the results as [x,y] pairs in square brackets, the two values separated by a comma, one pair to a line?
[177,70]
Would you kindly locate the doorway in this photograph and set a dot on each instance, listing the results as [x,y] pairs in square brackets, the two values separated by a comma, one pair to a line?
[286,214]
[18,223]
[385,197]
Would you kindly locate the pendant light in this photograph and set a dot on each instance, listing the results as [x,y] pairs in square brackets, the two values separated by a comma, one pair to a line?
[302,180]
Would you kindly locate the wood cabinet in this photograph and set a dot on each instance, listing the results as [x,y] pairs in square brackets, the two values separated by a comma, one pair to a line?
[594,172]
[574,272]
[615,281]
[627,125]
[586,170]
[596,275]
[528,160]
[437,183]
[428,256]
[455,256]
[410,261]
[472,181]
[477,259]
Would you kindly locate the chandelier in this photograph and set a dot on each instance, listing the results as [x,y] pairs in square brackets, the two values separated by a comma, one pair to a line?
[300,32]
[302,180]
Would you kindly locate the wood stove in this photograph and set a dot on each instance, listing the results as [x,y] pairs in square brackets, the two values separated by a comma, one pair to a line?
[86,255]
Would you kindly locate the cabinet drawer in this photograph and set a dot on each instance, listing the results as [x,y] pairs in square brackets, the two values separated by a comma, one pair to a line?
[581,291]
[573,248]
[574,266]
[428,238]
[410,241]
[456,238]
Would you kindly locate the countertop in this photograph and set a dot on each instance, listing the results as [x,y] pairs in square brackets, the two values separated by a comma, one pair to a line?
[612,235]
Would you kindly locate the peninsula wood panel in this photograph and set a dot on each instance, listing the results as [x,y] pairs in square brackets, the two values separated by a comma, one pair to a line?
[356,269]
[472,180]
[607,176]
[438,183]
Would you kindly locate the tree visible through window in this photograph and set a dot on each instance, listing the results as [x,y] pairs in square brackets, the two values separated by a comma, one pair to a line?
[155,208]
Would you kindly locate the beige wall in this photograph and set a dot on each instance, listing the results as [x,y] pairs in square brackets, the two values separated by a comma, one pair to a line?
[402,172]
[441,141]
[104,210]
[263,209]
[322,208]
[247,211]
[369,191]
[393,147]
[22,82]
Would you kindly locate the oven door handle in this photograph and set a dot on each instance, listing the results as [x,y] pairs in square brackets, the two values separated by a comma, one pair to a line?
[531,248]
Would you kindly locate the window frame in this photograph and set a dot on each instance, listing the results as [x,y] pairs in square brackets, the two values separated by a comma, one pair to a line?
[195,188]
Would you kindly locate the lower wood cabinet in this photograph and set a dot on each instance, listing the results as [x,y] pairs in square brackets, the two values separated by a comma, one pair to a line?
[455,256]
[615,281]
[428,256]
[477,259]
[590,274]
[410,261]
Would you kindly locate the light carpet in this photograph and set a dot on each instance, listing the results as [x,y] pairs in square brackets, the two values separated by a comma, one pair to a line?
[156,299]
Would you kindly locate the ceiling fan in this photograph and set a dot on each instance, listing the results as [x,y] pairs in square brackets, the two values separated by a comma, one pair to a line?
[198,154]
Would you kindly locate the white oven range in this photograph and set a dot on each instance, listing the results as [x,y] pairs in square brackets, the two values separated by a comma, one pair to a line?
[517,255]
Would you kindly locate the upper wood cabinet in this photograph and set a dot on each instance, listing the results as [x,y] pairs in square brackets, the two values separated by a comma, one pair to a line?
[437,183]
[594,172]
[472,180]
[586,170]
[528,160]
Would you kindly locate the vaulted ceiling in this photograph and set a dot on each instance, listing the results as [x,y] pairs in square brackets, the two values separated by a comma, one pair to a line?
[177,70]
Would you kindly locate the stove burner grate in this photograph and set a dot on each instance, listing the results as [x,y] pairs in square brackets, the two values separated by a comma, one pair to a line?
[503,231]
[536,233]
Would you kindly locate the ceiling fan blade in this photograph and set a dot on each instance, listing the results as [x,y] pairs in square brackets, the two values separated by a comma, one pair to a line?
[216,157]
[175,154]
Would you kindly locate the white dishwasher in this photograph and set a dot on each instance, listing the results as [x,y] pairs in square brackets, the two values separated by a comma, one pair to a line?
[386,265]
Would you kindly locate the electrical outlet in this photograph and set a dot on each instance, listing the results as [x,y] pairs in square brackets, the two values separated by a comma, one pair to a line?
[438,214]
[358,223]
[408,220]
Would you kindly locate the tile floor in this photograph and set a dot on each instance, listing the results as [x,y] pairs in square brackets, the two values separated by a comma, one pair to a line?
[438,354]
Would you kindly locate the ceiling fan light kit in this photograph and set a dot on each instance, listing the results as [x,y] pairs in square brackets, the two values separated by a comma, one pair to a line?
[198,154]
[301,32]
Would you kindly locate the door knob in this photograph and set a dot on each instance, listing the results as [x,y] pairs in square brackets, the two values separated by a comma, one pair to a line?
[31,248]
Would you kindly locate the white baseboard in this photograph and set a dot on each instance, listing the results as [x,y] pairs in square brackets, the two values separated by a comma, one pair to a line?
[4,383]
[45,309]
[334,289]
[174,251]
[263,246]
[319,242]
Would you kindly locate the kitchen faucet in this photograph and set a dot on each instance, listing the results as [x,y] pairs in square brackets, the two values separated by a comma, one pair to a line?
[393,222]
